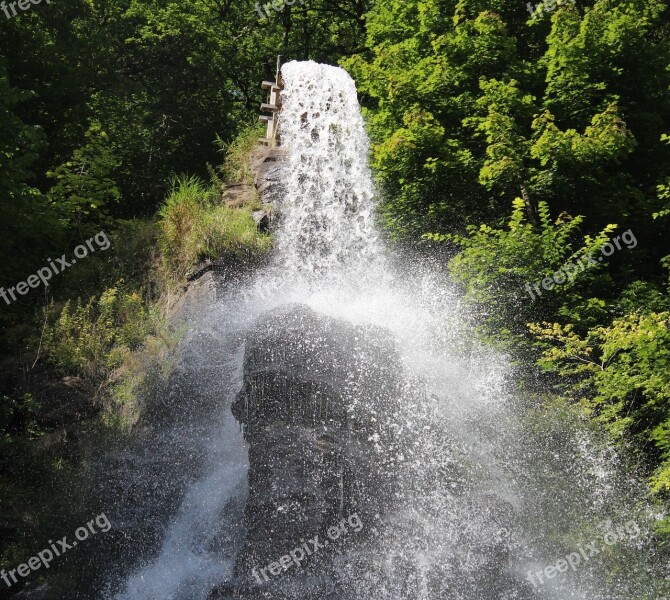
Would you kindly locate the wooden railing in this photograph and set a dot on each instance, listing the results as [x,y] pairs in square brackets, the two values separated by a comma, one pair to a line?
[273,106]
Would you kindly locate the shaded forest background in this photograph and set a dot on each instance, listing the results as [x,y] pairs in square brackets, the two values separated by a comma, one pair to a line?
[510,146]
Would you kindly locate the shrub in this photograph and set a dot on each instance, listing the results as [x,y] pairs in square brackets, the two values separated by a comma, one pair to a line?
[494,265]
[195,226]
[237,163]
[621,374]
[91,339]
[84,185]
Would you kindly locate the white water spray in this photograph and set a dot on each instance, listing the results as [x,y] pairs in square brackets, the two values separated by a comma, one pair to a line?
[328,211]
[492,490]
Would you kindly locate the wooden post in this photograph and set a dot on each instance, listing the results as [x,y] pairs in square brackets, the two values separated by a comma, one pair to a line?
[273,105]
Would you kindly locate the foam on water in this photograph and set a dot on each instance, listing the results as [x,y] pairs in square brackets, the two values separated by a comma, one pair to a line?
[328,212]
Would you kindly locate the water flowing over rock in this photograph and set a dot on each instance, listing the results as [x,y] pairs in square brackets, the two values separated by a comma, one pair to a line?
[316,403]
[342,385]
[327,212]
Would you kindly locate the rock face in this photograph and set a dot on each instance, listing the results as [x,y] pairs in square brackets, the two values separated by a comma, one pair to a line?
[267,165]
[238,194]
[317,402]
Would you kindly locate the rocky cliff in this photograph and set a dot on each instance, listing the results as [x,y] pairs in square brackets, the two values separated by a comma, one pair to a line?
[316,406]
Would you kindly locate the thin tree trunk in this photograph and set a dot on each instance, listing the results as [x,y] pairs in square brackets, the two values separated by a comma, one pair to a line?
[531,207]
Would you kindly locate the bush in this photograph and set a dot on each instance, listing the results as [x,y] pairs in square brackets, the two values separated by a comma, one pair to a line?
[195,226]
[90,340]
[84,186]
[621,374]
[495,265]
[237,163]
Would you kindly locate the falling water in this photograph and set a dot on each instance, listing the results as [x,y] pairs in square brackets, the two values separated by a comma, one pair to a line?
[328,211]
[496,484]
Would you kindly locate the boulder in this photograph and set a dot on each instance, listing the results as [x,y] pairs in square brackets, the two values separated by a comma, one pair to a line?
[317,400]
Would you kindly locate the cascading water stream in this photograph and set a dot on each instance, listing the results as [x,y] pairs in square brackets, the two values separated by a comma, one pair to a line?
[328,210]
[489,489]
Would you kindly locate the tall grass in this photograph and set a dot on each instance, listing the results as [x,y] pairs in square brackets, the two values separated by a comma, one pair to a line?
[195,225]
[237,162]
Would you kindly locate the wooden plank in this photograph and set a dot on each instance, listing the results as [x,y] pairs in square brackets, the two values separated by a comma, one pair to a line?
[273,105]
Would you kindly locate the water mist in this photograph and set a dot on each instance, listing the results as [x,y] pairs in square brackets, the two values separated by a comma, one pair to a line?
[492,485]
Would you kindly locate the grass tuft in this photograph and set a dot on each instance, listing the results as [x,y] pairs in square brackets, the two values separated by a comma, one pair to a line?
[195,225]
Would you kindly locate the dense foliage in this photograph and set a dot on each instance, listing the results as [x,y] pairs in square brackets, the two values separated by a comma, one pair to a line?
[523,145]
[475,107]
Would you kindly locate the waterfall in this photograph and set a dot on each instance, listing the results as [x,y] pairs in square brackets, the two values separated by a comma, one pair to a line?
[493,485]
[328,211]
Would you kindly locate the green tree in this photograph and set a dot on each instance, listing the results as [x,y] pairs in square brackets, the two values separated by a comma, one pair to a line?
[28,221]
[499,267]
[469,105]
[84,184]
[622,377]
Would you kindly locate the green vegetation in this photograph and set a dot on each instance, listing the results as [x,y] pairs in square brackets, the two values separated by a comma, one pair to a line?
[99,341]
[474,107]
[195,226]
[517,144]
[237,154]
[80,340]
[494,266]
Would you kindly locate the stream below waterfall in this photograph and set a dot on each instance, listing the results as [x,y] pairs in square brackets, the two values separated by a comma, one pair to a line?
[491,486]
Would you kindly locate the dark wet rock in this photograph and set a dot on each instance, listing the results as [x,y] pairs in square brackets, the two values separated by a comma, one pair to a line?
[140,484]
[317,405]
[268,166]
[263,220]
